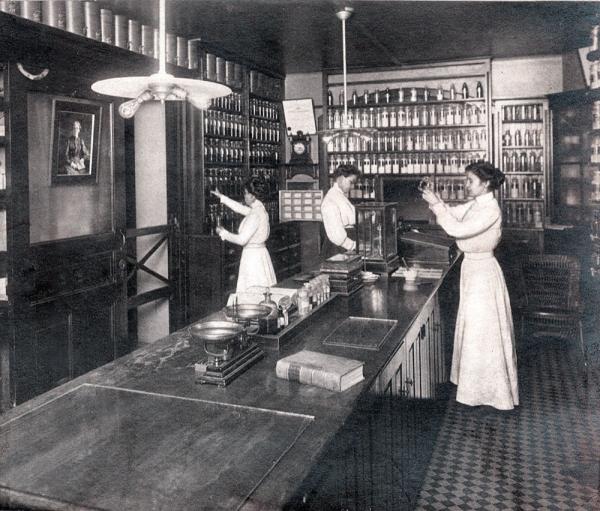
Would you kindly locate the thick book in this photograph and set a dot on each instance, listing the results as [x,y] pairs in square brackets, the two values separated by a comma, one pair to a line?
[327,371]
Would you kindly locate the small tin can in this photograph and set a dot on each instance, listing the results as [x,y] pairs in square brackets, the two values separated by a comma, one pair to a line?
[31,10]
[238,74]
[253,81]
[121,32]
[134,36]
[91,13]
[53,14]
[10,7]
[182,52]
[75,20]
[147,40]
[220,63]
[107,26]
[192,48]
[211,67]
[229,73]
[171,48]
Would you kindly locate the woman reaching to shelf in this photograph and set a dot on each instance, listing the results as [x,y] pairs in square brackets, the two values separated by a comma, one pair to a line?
[484,362]
[256,268]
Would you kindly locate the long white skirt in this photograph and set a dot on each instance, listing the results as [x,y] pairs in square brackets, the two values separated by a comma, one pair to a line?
[256,268]
[484,362]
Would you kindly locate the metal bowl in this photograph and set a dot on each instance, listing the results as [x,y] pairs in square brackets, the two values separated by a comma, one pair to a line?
[216,331]
[247,312]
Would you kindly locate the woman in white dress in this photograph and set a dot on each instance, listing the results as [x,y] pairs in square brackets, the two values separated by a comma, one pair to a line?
[484,362]
[339,217]
[256,268]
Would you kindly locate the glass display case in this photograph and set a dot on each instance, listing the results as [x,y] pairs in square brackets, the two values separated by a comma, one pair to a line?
[377,240]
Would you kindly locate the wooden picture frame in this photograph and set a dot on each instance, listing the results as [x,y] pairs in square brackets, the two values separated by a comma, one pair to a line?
[75,141]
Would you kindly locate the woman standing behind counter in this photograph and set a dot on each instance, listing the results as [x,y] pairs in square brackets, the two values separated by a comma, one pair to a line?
[339,217]
[484,363]
[256,268]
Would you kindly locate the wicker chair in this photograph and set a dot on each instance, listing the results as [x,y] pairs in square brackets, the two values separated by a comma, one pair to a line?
[551,298]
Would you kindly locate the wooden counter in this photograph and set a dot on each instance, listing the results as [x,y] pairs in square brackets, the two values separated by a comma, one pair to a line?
[138,433]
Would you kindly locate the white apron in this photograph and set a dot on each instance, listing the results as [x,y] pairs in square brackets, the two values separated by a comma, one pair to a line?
[256,268]
[484,363]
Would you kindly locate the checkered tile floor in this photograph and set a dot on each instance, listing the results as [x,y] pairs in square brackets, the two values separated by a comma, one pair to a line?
[545,454]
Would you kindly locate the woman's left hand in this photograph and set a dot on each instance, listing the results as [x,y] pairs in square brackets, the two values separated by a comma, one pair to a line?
[431,197]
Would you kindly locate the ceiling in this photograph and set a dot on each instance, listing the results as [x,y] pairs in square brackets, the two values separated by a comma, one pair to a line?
[291,36]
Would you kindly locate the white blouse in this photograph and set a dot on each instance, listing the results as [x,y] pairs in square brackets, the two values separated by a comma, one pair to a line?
[338,213]
[476,225]
[254,228]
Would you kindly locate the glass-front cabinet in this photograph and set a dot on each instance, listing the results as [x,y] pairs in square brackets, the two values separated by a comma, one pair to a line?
[523,154]
[376,236]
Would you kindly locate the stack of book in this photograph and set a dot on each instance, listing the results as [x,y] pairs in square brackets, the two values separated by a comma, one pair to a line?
[319,369]
[344,273]
[422,273]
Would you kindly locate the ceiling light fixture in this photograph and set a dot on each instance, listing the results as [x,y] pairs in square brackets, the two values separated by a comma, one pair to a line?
[345,130]
[160,86]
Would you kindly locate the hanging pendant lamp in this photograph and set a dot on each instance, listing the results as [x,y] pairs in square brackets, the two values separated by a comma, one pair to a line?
[346,130]
[160,86]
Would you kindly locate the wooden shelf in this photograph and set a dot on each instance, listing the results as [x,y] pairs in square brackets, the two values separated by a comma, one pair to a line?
[523,199]
[397,151]
[535,121]
[409,103]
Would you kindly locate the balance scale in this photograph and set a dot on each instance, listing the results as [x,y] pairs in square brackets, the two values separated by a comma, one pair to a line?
[228,345]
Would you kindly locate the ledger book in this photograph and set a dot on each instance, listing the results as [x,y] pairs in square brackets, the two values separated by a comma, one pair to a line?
[327,371]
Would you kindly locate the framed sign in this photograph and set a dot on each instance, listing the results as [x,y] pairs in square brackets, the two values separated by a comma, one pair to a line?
[299,116]
[75,141]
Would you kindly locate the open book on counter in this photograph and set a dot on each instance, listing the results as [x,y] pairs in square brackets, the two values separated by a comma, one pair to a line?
[327,371]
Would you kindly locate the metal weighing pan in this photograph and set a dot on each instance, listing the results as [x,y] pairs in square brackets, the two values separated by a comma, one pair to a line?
[247,312]
[216,331]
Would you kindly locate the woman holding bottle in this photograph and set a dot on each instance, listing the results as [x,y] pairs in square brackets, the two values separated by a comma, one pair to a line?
[256,268]
[484,362]
[339,217]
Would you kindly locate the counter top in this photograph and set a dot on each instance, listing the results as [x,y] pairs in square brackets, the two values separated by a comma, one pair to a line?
[139,433]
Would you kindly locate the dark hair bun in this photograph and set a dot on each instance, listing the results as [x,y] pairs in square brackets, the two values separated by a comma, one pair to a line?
[485,171]
[346,170]
[257,186]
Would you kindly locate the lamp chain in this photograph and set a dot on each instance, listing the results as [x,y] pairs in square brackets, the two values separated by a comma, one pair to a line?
[344,67]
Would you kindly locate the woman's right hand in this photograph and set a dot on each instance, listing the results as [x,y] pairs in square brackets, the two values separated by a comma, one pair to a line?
[431,197]
[216,193]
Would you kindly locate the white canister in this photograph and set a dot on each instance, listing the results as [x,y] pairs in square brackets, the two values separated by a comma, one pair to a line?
[192,47]
[147,40]
[107,26]
[121,32]
[134,36]
[10,7]
[182,52]
[171,48]
[54,14]
[31,10]
[74,13]
[91,13]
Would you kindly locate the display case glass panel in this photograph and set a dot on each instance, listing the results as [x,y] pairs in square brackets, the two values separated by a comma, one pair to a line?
[376,224]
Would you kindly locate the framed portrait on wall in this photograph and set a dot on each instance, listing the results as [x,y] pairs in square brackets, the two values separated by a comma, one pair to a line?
[75,140]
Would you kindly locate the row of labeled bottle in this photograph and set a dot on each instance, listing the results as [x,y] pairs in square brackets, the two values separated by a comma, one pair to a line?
[519,113]
[219,215]
[529,137]
[224,151]
[408,116]
[523,214]
[524,161]
[444,163]
[230,181]
[231,103]
[419,140]
[221,124]
[265,131]
[265,109]
[410,94]
[264,154]
[523,187]
[363,189]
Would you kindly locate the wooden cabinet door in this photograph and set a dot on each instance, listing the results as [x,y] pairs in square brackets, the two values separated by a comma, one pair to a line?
[66,260]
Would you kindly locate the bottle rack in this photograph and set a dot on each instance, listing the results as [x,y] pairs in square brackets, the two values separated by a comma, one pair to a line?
[523,154]
[242,137]
[421,130]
